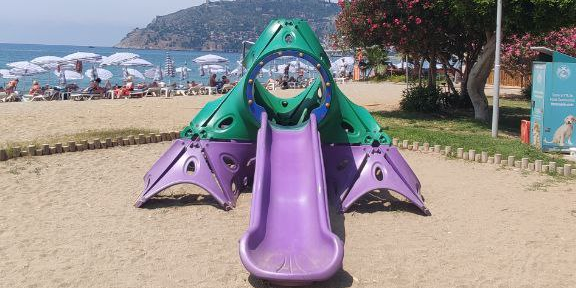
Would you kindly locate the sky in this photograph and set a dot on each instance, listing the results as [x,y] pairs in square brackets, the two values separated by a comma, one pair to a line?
[80,22]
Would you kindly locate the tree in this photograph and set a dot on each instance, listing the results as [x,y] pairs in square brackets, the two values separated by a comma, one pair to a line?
[445,29]
[377,56]
[517,55]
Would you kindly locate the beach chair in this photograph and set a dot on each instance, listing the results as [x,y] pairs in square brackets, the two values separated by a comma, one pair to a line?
[30,98]
[7,98]
[140,93]
[194,90]
[226,88]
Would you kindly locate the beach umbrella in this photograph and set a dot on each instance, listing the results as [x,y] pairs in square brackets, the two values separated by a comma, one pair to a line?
[82,56]
[98,73]
[210,59]
[47,62]
[62,79]
[69,75]
[169,66]
[183,71]
[6,74]
[118,58]
[136,63]
[133,72]
[26,67]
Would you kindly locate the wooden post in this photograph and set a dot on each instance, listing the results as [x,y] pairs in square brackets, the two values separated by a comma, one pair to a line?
[131,140]
[85,145]
[437,149]
[166,137]
[159,138]
[404,144]
[531,166]
[394,140]
[497,159]
[52,150]
[538,165]
[45,149]
[72,146]
[525,163]
[460,153]
[141,139]
[149,139]
[567,169]
[3,155]
[426,146]
[59,148]
[544,169]
[484,157]
[175,135]
[448,150]
[490,160]
[153,138]
[552,167]
[31,150]
[465,156]
[97,144]
[415,146]
[471,154]
[16,152]
[109,143]
[510,161]
[478,158]
[38,152]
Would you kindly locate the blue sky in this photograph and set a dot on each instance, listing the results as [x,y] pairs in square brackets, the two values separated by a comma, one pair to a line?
[80,22]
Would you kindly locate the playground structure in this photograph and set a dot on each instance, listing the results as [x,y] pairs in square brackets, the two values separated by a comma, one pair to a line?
[296,154]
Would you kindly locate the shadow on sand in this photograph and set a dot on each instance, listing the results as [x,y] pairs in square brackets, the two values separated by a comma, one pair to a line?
[342,279]
[383,201]
[180,200]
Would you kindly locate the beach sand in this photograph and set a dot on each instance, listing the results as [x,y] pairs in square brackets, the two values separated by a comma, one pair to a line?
[38,120]
[68,220]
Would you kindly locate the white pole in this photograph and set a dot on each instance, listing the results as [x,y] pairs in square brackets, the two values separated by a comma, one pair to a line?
[407,85]
[496,99]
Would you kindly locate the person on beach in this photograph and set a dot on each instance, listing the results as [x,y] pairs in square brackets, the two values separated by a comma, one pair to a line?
[212,82]
[36,89]
[11,87]
[95,87]
[124,91]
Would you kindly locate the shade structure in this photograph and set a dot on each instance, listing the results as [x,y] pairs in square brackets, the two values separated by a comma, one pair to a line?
[69,75]
[7,75]
[82,56]
[47,62]
[155,73]
[100,73]
[138,62]
[118,58]
[134,73]
[26,67]
[210,59]
[213,69]
[169,66]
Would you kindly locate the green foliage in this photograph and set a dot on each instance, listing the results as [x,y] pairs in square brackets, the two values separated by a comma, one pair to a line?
[527,92]
[377,57]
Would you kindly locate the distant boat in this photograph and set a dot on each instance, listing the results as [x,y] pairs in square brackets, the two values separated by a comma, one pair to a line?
[91,47]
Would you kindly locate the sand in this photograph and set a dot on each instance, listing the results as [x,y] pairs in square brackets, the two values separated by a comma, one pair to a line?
[68,221]
[39,120]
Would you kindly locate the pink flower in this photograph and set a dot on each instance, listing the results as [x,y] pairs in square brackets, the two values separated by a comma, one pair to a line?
[418,20]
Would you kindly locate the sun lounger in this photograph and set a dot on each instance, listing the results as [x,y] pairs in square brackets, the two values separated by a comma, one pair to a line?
[226,88]
[194,90]
[138,93]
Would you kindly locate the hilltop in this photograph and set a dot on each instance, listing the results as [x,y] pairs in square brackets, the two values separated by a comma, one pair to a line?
[223,25]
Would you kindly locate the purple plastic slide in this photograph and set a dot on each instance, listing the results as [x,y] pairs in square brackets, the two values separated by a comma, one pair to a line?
[289,240]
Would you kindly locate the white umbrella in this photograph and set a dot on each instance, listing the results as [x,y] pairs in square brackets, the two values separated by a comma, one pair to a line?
[69,75]
[118,58]
[7,75]
[133,73]
[210,59]
[82,56]
[281,67]
[101,73]
[26,66]
[136,63]
[48,62]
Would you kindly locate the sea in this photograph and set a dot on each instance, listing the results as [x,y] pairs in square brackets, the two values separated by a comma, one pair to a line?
[26,52]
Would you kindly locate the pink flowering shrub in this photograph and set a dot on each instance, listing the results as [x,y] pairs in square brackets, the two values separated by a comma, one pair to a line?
[517,55]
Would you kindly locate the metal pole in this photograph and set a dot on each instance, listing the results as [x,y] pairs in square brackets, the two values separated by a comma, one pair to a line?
[407,85]
[496,98]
